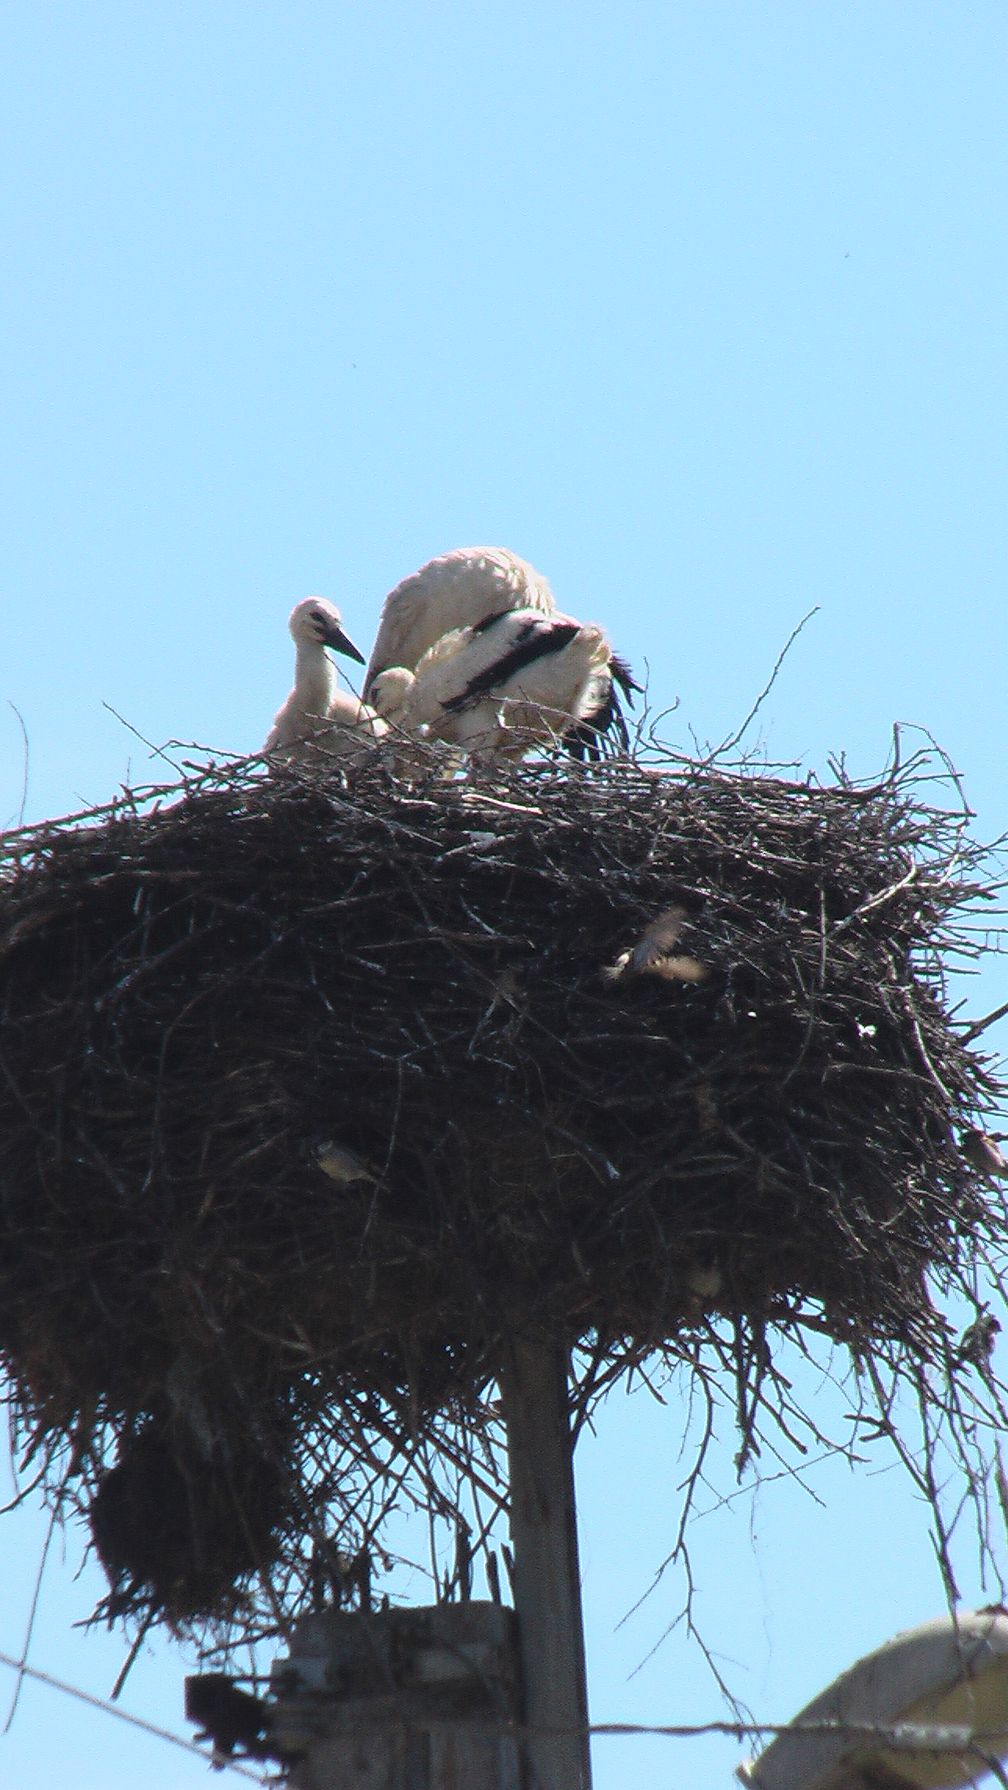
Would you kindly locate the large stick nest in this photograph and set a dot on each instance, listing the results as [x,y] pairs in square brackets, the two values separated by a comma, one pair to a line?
[209,1003]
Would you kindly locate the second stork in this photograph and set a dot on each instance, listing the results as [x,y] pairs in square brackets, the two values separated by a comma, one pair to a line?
[512,681]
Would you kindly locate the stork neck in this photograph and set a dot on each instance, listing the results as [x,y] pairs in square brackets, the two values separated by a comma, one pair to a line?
[315,676]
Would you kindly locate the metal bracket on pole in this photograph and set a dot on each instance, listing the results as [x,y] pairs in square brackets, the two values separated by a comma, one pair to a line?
[413,1699]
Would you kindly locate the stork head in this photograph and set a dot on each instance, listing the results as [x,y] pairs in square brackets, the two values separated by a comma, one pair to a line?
[389,693]
[318,622]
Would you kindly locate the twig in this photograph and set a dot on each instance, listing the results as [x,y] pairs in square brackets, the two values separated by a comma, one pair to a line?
[25,750]
[734,739]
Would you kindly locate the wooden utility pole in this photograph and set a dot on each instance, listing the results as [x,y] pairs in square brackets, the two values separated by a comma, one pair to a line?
[547,1587]
[414,1699]
[463,1696]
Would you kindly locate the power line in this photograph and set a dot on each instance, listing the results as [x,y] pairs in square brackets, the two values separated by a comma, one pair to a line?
[934,1737]
[123,1715]
[925,1737]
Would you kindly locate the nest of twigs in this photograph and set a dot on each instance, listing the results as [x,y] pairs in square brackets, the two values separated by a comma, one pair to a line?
[311,1093]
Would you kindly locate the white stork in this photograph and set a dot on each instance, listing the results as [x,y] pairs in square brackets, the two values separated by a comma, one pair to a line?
[318,715]
[456,590]
[463,592]
[512,681]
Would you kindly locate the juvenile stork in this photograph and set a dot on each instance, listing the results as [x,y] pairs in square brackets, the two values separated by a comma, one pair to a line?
[318,715]
[509,683]
[456,590]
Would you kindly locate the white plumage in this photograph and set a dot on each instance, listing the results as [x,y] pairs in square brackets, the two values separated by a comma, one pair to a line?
[352,724]
[513,681]
[453,591]
[318,715]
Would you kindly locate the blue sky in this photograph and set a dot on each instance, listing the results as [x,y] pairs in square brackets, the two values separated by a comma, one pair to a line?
[701,308]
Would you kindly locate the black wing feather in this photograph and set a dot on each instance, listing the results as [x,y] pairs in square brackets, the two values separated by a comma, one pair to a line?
[536,641]
[624,677]
[606,722]
[490,621]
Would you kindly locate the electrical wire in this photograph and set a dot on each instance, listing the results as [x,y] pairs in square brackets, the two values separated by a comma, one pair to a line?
[123,1715]
[925,1737]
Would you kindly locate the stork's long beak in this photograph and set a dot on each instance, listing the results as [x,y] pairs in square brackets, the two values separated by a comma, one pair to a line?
[341,643]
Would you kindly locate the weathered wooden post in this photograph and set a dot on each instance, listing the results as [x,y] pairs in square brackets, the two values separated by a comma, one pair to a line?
[414,1699]
[422,1699]
[547,1588]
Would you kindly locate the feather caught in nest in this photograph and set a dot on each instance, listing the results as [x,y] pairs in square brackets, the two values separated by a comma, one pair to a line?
[654,953]
[342,1165]
[984,1153]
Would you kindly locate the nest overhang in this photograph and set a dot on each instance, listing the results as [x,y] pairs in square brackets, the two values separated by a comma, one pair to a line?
[312,1092]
